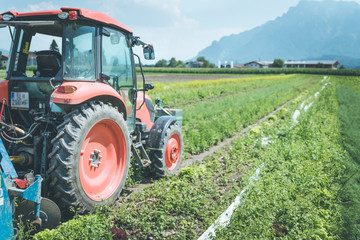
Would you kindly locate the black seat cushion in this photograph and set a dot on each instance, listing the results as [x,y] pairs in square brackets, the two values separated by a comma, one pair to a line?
[48,63]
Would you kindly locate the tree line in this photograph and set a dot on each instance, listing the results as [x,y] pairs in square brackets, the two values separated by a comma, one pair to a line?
[173,63]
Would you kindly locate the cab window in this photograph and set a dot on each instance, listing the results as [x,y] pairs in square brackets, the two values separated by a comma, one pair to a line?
[79,52]
[116,59]
[37,52]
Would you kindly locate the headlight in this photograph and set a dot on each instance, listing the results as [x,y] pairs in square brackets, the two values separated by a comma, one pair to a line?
[63,15]
[7,17]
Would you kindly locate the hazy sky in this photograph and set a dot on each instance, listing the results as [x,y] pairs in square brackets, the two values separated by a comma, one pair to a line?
[176,28]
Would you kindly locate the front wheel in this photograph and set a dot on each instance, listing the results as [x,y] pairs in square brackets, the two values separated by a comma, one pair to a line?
[167,159]
[90,158]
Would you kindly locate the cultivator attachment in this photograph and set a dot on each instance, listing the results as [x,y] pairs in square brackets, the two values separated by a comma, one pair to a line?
[41,212]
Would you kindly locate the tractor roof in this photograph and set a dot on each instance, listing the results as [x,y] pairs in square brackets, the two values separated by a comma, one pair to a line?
[84,13]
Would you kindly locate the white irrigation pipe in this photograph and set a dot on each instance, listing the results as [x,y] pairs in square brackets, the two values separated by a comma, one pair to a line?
[224,218]
[306,107]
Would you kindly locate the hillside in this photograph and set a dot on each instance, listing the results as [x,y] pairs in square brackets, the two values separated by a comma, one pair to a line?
[309,30]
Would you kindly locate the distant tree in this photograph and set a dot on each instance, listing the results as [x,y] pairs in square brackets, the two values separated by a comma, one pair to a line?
[172,62]
[320,65]
[54,46]
[205,63]
[201,59]
[342,67]
[0,59]
[161,63]
[180,64]
[278,63]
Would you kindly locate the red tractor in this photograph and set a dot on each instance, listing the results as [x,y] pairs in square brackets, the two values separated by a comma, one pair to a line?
[72,112]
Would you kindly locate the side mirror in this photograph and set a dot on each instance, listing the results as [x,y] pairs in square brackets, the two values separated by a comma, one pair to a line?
[104,77]
[148,86]
[149,53]
[132,94]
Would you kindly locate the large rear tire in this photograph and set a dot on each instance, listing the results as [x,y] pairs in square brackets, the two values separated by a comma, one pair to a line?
[167,160]
[90,158]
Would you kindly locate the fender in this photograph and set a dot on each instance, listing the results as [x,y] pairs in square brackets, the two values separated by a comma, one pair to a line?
[86,91]
[158,131]
[4,92]
[146,113]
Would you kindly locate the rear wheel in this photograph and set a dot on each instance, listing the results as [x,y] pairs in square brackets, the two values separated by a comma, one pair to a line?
[90,158]
[167,160]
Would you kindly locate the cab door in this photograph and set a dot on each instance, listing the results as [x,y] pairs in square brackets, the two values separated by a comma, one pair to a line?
[117,65]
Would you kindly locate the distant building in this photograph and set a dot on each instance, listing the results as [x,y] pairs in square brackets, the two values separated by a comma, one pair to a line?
[329,64]
[226,65]
[239,66]
[259,64]
[194,64]
[4,60]
[31,59]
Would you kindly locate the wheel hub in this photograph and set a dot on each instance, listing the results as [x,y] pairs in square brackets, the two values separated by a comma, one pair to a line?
[95,158]
[174,154]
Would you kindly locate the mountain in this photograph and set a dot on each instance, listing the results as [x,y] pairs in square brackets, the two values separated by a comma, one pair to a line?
[4,51]
[312,29]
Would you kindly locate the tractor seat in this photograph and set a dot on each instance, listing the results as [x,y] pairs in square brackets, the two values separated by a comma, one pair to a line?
[48,63]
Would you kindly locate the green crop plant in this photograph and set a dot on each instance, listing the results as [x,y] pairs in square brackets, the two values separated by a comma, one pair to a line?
[348,96]
[94,226]
[209,122]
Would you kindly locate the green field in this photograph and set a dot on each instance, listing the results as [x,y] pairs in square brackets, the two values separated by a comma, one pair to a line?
[2,74]
[308,185]
[321,71]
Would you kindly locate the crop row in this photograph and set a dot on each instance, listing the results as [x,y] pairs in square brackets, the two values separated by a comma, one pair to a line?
[321,71]
[181,93]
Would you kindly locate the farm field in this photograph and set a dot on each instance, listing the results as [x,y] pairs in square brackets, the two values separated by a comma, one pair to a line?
[308,176]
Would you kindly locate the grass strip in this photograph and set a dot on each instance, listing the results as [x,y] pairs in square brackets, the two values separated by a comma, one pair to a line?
[349,116]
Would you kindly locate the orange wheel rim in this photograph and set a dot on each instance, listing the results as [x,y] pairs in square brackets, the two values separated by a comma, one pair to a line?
[102,160]
[172,152]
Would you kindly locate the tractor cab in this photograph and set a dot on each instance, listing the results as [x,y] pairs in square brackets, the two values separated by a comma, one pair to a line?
[71,110]
[52,48]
